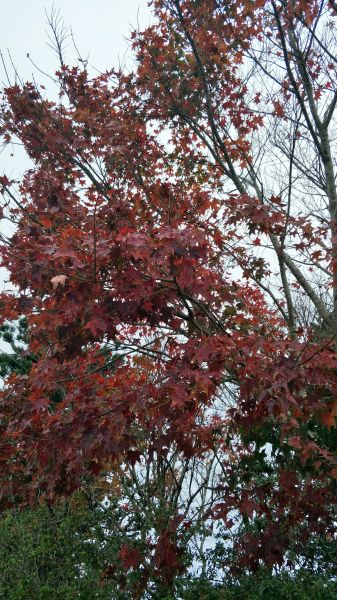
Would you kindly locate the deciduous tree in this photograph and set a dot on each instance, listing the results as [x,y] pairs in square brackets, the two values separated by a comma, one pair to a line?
[181,219]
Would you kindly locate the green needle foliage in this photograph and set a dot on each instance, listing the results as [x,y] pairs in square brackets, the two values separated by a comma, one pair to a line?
[15,359]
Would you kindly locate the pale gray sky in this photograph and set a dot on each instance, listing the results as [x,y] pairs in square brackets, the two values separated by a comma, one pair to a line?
[101,29]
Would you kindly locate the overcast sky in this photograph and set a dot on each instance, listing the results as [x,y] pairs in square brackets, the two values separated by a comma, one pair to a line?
[101,30]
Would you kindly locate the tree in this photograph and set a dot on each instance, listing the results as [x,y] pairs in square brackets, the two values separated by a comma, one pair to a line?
[54,553]
[182,220]
[18,360]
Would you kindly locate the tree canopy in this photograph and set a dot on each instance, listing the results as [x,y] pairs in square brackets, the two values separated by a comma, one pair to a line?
[174,256]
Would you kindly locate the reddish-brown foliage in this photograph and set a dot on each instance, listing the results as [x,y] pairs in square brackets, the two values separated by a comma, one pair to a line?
[136,258]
